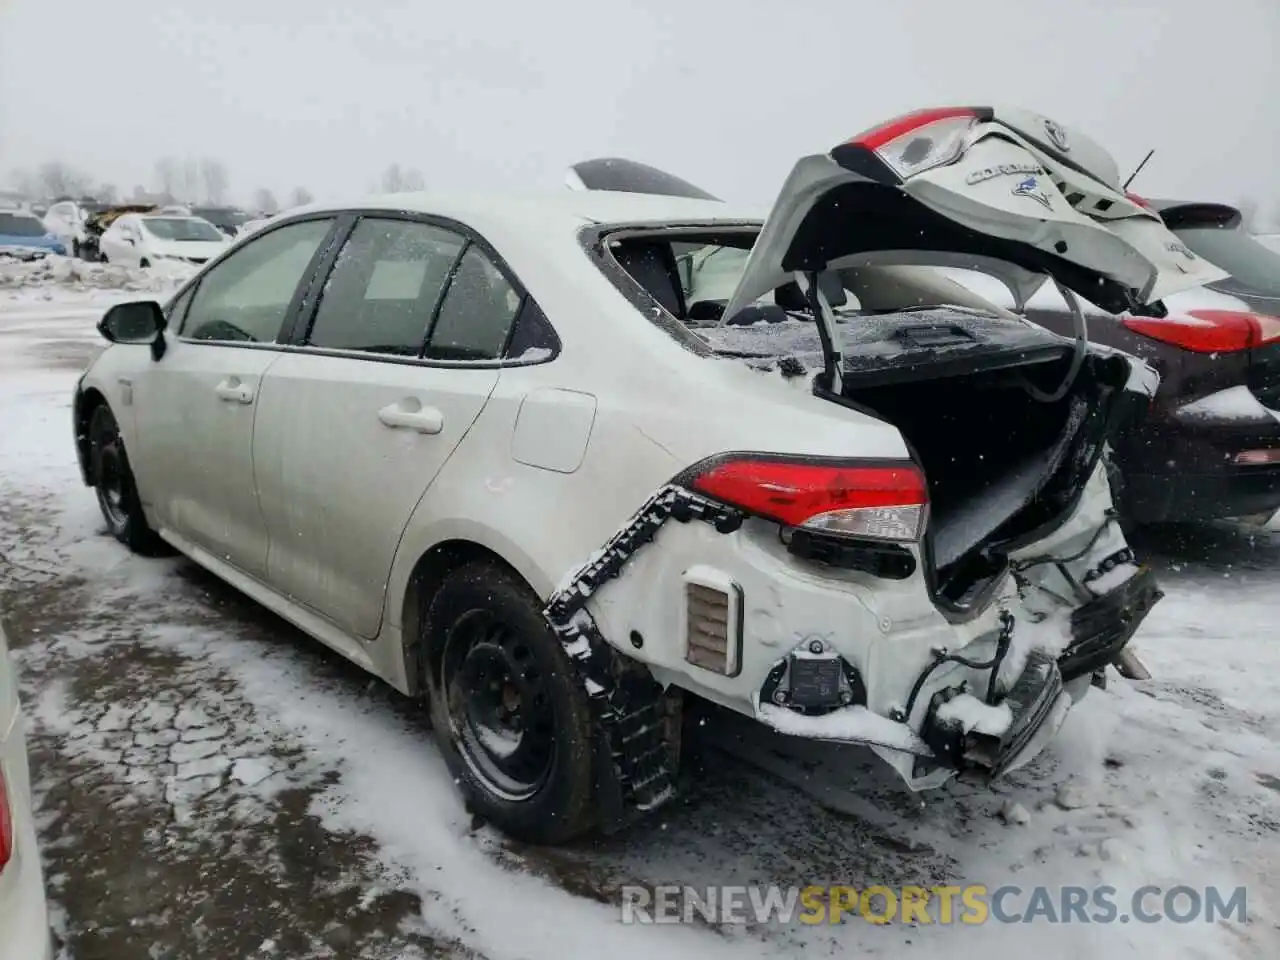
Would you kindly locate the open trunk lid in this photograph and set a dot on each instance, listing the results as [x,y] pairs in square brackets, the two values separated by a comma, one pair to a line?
[966,185]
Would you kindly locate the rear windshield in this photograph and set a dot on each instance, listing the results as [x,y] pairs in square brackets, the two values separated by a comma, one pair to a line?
[20,225]
[1250,263]
[181,228]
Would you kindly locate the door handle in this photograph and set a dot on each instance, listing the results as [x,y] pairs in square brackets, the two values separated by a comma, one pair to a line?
[233,391]
[410,414]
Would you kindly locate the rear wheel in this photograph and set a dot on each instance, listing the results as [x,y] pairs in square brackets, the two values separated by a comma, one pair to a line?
[511,717]
[113,482]
[144,263]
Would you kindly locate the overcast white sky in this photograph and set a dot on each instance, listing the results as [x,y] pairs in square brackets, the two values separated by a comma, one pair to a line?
[726,93]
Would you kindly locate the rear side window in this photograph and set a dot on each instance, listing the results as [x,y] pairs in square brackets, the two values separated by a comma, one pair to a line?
[245,298]
[479,309]
[384,287]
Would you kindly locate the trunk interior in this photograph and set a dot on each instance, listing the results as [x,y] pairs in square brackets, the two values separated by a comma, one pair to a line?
[1002,463]
[999,461]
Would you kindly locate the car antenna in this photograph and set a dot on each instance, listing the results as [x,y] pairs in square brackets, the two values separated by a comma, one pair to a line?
[1137,171]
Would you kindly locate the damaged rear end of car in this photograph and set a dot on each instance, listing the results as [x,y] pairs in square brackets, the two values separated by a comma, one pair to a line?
[944,607]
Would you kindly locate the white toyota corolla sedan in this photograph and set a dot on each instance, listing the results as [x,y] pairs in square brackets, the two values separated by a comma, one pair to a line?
[508,454]
[24,918]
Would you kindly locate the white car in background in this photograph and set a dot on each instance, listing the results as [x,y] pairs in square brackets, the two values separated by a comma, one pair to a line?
[253,226]
[487,449]
[65,220]
[24,916]
[144,240]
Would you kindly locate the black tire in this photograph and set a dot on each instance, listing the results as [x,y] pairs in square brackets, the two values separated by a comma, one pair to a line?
[489,648]
[114,485]
[144,264]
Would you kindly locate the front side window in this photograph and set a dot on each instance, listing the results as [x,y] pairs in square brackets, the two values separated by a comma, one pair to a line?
[478,311]
[246,297]
[384,287]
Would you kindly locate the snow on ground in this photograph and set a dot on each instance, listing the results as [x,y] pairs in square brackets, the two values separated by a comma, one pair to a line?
[212,783]
[62,276]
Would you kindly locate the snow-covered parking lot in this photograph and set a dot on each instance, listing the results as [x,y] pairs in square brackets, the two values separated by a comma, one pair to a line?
[213,784]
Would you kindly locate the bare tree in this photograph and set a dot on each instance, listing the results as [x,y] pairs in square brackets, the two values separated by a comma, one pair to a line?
[216,180]
[167,177]
[26,183]
[266,201]
[393,179]
[107,192]
[300,197]
[398,179]
[57,179]
[190,180]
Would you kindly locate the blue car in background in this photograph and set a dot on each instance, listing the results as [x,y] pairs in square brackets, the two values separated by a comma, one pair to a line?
[23,236]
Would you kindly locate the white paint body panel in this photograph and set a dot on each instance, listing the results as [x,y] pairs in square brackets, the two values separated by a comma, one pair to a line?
[553,428]
[337,484]
[193,453]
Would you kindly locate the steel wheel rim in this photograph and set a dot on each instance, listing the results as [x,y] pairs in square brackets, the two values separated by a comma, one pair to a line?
[111,488]
[499,706]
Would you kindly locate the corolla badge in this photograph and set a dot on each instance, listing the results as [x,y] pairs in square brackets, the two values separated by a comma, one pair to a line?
[1057,136]
[1030,187]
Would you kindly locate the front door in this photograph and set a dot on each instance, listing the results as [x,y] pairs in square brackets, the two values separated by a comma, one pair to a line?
[396,365]
[195,407]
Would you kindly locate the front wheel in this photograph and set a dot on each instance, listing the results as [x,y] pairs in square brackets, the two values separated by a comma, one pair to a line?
[113,481]
[510,714]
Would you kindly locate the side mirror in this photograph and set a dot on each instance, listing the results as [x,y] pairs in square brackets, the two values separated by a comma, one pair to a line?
[138,322]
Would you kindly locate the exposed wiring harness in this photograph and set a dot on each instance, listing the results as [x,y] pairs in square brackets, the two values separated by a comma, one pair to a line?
[1081,330]
[1003,643]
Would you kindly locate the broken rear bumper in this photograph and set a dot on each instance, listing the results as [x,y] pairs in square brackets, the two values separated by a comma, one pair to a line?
[1101,628]
[1035,704]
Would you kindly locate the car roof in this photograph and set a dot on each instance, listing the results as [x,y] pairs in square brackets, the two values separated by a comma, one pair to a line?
[580,206]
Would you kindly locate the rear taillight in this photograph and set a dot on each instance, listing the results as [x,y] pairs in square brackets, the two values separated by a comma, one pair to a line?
[6,826]
[881,501]
[919,141]
[1257,458]
[1140,201]
[1209,331]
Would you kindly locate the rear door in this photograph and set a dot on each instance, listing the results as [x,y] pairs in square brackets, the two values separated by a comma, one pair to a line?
[389,372]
